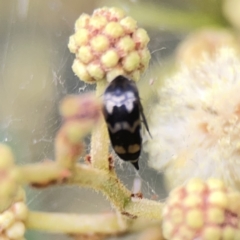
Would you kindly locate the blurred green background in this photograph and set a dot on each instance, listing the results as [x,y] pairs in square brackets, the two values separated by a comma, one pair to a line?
[35,74]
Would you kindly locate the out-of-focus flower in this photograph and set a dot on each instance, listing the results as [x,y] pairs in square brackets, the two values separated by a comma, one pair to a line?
[8,177]
[80,115]
[210,40]
[12,220]
[202,210]
[108,44]
[231,12]
[196,125]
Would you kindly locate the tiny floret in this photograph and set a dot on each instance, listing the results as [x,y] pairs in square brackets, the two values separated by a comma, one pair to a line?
[125,44]
[106,39]
[82,21]
[114,30]
[109,59]
[129,24]
[84,54]
[95,70]
[97,22]
[100,43]
[131,61]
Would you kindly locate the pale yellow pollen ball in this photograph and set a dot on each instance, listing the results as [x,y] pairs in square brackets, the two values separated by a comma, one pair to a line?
[100,43]
[131,61]
[84,54]
[109,59]
[114,30]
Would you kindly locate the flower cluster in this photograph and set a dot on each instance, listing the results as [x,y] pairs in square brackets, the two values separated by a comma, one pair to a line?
[108,44]
[12,224]
[202,210]
[196,125]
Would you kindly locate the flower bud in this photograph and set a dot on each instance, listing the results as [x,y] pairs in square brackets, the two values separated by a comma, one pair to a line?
[12,221]
[201,210]
[108,42]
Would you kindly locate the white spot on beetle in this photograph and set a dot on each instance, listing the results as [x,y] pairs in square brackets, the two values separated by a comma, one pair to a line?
[123,126]
[126,99]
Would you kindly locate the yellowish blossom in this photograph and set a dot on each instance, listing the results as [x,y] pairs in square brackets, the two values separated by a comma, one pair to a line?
[196,124]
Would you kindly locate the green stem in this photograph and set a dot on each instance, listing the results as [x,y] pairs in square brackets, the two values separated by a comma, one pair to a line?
[42,173]
[116,192]
[100,180]
[99,224]
[145,208]
[100,140]
[73,223]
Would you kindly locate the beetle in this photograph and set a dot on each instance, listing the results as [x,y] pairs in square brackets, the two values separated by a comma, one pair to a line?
[123,111]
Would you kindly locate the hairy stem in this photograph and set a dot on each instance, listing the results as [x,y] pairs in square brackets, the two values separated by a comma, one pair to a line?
[116,192]
[105,223]
[100,140]
[73,223]
[42,173]
[100,180]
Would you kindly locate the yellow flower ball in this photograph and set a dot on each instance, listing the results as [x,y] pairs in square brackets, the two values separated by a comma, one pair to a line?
[202,212]
[106,43]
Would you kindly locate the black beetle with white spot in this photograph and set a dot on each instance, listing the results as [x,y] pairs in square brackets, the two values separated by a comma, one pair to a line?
[122,111]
